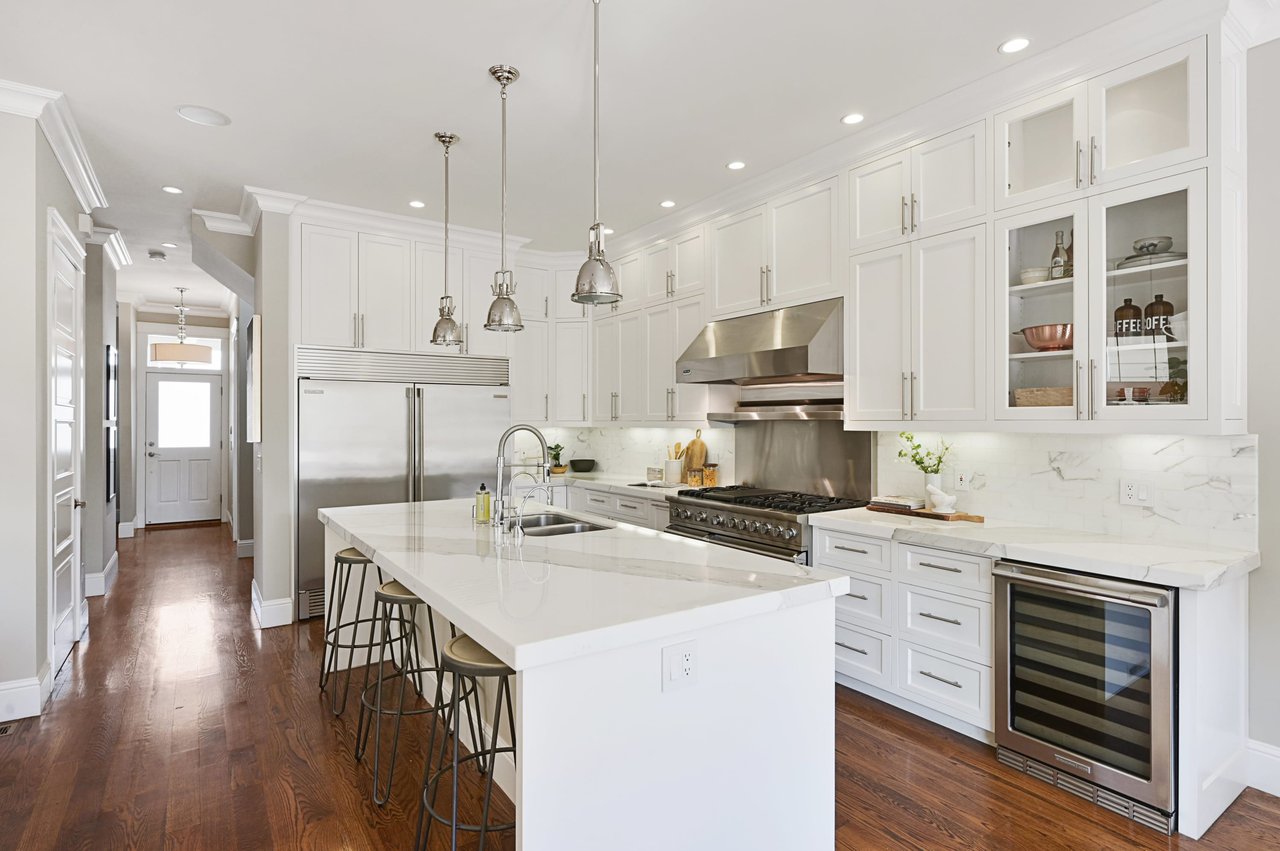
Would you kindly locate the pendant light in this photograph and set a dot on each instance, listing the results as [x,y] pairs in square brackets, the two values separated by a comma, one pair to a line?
[181,351]
[597,284]
[504,315]
[446,331]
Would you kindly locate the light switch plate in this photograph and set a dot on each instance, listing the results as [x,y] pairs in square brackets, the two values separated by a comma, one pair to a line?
[679,665]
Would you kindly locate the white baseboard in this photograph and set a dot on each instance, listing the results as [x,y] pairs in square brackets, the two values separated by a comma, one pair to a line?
[244,549]
[25,698]
[926,712]
[226,516]
[1264,767]
[271,613]
[98,584]
[124,530]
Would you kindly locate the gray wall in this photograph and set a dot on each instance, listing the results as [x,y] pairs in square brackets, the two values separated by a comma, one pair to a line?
[127,498]
[242,452]
[98,523]
[1264,400]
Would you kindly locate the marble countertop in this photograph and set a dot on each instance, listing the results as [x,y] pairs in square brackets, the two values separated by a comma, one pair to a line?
[1196,567]
[546,599]
[615,483]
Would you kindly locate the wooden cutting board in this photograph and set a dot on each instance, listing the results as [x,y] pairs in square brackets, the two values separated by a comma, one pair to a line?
[930,515]
[695,455]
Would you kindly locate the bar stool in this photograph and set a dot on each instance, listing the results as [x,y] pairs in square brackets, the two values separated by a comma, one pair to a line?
[467,662]
[344,564]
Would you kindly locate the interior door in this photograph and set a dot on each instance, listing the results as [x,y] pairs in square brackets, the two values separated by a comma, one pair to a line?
[184,476]
[878,324]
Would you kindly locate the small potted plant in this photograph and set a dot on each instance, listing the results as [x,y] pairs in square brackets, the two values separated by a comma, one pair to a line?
[927,461]
[557,468]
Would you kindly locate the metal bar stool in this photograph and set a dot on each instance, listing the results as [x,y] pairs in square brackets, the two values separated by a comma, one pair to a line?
[344,564]
[466,661]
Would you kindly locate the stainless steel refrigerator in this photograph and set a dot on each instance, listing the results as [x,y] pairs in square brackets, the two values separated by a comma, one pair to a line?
[374,442]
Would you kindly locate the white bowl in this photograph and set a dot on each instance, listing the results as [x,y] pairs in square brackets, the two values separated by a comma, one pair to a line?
[1034,274]
[1153,244]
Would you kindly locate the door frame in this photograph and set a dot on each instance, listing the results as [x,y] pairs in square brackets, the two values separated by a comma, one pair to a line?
[141,330]
[60,237]
[219,454]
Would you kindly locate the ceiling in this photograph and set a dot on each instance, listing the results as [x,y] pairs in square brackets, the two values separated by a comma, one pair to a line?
[338,101]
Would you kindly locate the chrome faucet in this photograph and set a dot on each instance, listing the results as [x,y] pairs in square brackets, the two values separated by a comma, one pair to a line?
[518,527]
[499,501]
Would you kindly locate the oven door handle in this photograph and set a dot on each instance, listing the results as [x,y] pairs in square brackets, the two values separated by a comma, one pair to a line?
[1101,591]
[759,549]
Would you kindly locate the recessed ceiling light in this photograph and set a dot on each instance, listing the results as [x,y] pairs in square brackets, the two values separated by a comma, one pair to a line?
[203,115]
[852,118]
[172,190]
[667,204]
[169,245]
[736,165]
[417,205]
[608,231]
[1014,45]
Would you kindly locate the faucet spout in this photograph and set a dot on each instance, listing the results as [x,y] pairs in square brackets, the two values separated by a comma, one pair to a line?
[499,500]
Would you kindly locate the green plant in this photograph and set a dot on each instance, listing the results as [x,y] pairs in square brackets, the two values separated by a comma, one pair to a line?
[925,460]
[554,451]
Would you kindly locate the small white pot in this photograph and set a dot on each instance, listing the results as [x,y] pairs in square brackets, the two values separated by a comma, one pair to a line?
[934,479]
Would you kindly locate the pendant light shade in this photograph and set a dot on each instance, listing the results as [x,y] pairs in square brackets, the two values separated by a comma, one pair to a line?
[504,315]
[597,283]
[446,331]
[181,351]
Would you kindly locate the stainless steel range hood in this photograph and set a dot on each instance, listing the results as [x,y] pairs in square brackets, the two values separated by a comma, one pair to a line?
[787,345]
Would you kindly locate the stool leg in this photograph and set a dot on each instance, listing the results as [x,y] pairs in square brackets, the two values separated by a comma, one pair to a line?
[339,708]
[457,744]
[408,662]
[365,723]
[503,689]
[326,659]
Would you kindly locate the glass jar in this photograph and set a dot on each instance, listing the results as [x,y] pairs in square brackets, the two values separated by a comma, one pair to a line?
[1156,318]
[1128,320]
[695,478]
[711,476]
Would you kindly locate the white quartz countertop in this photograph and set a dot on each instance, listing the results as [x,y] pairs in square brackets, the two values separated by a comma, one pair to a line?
[1192,566]
[614,483]
[548,599]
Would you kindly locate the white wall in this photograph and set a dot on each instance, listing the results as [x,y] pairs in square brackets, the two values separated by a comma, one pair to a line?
[98,531]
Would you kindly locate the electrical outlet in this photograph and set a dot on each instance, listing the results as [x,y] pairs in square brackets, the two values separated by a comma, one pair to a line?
[963,478]
[679,665]
[1135,493]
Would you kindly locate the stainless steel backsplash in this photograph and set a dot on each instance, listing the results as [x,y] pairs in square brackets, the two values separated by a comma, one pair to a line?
[813,457]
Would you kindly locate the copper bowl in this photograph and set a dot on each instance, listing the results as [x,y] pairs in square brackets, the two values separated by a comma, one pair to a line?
[1050,338]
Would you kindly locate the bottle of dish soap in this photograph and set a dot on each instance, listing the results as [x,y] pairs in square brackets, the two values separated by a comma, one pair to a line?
[484,505]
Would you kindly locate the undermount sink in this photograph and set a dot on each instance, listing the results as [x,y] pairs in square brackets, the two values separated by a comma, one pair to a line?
[542,525]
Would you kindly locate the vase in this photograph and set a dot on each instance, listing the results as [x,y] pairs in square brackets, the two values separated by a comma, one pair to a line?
[934,479]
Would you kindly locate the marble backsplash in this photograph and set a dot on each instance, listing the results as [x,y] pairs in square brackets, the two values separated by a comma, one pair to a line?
[627,451]
[1204,489]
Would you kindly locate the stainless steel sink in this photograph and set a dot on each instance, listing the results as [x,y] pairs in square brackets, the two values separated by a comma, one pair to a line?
[541,525]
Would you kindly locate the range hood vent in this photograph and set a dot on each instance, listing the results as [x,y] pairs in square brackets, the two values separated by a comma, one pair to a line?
[809,400]
[787,345]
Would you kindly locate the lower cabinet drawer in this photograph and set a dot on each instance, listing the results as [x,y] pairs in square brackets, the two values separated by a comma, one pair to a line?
[864,655]
[868,603]
[597,502]
[956,687]
[946,622]
[632,510]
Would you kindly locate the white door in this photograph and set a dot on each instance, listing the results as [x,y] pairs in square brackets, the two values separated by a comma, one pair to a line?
[530,388]
[690,272]
[66,300]
[428,287]
[632,371]
[879,195]
[949,180]
[688,317]
[330,288]
[802,230]
[657,275]
[660,371]
[184,479]
[386,293]
[949,334]
[605,361]
[738,258]
[479,269]
[878,325]
[1041,147]
[570,370]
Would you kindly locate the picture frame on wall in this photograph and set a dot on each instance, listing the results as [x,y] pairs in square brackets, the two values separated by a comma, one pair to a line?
[253,381]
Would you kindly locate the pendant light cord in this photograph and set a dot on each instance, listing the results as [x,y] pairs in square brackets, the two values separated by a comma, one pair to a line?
[504,177]
[595,183]
[446,219]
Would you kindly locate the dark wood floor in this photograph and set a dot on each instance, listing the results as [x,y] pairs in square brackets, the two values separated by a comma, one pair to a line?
[179,724]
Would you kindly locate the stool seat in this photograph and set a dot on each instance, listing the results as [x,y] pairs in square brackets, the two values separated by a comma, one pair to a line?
[352,556]
[465,656]
[395,593]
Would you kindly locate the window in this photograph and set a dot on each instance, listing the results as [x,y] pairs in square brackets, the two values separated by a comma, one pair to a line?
[183,414]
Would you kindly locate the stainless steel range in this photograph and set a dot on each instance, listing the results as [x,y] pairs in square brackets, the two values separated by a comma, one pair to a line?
[759,520]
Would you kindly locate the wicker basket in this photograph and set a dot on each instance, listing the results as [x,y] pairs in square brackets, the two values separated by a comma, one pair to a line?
[1042,397]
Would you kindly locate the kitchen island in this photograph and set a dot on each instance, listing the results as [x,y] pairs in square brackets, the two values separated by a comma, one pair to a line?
[617,748]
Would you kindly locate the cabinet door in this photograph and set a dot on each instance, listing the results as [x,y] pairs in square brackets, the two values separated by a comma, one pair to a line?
[738,258]
[949,180]
[658,264]
[478,270]
[386,293]
[530,390]
[690,270]
[562,304]
[330,288]
[879,194]
[1149,114]
[570,372]
[802,233]
[1041,148]
[1156,371]
[660,371]
[606,363]
[632,370]
[428,287]
[533,292]
[631,283]
[878,335]
[949,331]
[688,317]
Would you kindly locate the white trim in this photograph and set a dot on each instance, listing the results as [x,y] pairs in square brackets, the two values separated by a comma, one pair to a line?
[124,530]
[271,613]
[23,100]
[1264,767]
[25,698]
[99,584]
[928,713]
[244,549]
[60,129]
[113,245]
[225,222]
[154,307]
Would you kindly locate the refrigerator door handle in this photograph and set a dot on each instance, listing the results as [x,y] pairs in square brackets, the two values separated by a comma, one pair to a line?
[419,423]
[411,484]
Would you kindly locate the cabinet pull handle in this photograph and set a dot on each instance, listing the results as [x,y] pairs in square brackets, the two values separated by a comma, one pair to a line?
[622,504]
[355,330]
[546,307]
[584,311]
[933,676]
[768,285]
[1079,157]
[903,394]
[584,407]
[848,647]
[946,567]
[902,216]
[1076,391]
[915,209]
[1093,160]
[362,341]
[912,394]
[466,338]
[856,596]
[546,406]
[848,549]
[1093,401]
[934,617]
[762,285]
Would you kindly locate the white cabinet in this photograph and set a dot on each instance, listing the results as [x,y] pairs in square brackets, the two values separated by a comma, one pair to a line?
[676,267]
[660,363]
[428,277]
[657,273]
[478,271]
[570,373]
[1041,147]
[916,331]
[386,293]
[330,287]
[562,304]
[739,253]
[606,365]
[803,239]
[688,317]
[530,373]
[533,292]
[633,369]
[878,201]
[631,283]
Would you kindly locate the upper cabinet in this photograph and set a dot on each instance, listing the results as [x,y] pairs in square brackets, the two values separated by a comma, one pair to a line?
[675,268]
[1041,148]
[428,288]
[530,372]
[927,189]
[563,306]
[570,371]
[478,271]
[533,292]
[331,286]
[386,293]
[739,252]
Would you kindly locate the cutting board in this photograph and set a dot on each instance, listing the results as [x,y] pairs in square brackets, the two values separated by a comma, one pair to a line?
[929,515]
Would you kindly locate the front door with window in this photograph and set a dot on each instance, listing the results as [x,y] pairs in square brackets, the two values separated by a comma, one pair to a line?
[184,475]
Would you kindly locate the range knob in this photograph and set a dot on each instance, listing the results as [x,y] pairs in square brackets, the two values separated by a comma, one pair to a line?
[788,533]
[717,520]
[740,523]
[702,517]
[753,526]
[684,513]
[768,529]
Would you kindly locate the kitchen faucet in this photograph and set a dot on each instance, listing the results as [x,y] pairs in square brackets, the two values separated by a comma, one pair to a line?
[499,502]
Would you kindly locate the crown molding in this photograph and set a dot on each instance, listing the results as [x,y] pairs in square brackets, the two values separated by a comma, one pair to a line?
[51,112]
[557,261]
[409,227]
[23,100]
[1255,21]
[113,245]
[157,309]
[225,222]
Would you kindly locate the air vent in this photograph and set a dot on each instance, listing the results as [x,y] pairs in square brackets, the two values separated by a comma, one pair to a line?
[311,603]
[6,729]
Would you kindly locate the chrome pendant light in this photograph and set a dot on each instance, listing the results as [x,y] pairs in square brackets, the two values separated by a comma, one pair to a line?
[446,331]
[181,351]
[597,284]
[504,315]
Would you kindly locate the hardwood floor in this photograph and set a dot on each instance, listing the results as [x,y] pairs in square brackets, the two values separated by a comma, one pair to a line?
[179,724]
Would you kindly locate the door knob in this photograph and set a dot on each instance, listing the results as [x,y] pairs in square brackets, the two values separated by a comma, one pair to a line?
[152,454]
[78,503]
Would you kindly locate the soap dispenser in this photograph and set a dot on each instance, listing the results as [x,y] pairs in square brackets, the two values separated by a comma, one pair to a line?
[483,509]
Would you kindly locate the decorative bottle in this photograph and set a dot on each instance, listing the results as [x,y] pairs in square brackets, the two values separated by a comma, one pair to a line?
[1058,262]
[1128,320]
[1156,318]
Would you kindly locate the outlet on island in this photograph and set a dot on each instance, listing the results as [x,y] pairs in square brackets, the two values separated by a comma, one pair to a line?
[679,665]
